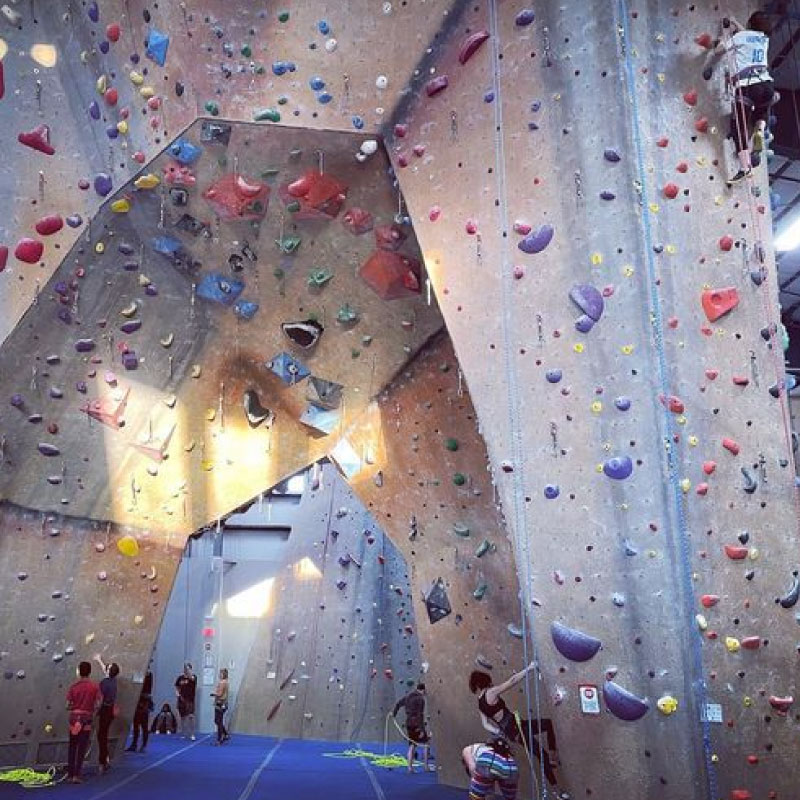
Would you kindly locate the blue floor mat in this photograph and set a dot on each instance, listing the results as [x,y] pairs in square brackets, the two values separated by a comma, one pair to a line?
[246,768]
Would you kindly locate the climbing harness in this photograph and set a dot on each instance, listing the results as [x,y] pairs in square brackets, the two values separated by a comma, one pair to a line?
[513,394]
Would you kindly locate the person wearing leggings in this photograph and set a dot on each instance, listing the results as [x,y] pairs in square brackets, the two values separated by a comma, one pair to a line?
[141,715]
[489,764]
[499,720]
[220,695]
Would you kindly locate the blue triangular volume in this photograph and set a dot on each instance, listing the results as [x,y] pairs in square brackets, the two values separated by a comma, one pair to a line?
[288,368]
[157,44]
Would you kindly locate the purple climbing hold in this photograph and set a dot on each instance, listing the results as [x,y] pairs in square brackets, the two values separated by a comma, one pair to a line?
[61,288]
[622,704]
[551,491]
[81,387]
[130,266]
[65,316]
[17,400]
[94,12]
[74,220]
[618,468]
[126,249]
[47,449]
[131,326]
[112,132]
[623,403]
[151,290]
[130,360]
[84,345]
[574,644]
[537,240]
[94,110]
[611,155]
[553,375]
[104,47]
[103,184]
[584,324]
[588,299]
[525,17]
[607,195]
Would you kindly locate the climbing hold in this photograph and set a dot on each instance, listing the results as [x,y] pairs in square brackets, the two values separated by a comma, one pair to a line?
[483,548]
[718,302]
[471,44]
[537,240]
[726,243]
[622,703]
[704,40]
[267,114]
[735,553]
[553,375]
[157,45]
[49,225]
[47,449]
[789,599]
[731,446]
[357,220]
[28,250]
[305,333]
[672,403]
[574,644]
[750,483]
[148,181]
[437,604]
[751,643]
[618,468]
[690,97]
[732,644]
[525,17]
[103,184]
[781,704]
[671,191]
[551,491]
[128,546]
[38,139]
[590,301]
[514,630]
[667,705]
[3,257]
[459,529]
[709,467]
[436,85]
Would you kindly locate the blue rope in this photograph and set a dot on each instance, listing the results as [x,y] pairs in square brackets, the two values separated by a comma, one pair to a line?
[663,375]
[513,394]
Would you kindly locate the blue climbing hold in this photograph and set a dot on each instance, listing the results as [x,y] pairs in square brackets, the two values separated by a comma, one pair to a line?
[167,245]
[536,105]
[606,195]
[609,154]
[288,368]
[219,288]
[358,122]
[618,468]
[279,68]
[574,644]
[537,240]
[324,97]
[316,83]
[94,12]
[94,110]
[630,548]
[551,491]
[553,375]
[184,152]
[622,703]
[112,132]
[525,17]
[245,309]
[157,45]
[623,403]
[488,97]
[323,27]
[103,184]
[104,47]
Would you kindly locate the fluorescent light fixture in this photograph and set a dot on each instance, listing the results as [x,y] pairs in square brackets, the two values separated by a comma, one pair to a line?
[252,603]
[790,238]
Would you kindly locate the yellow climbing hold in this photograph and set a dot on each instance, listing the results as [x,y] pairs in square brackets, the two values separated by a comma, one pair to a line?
[661,77]
[654,207]
[627,349]
[599,469]
[211,414]
[101,85]
[122,127]
[597,407]
[628,271]
[714,758]
[122,206]
[577,347]
[732,644]
[137,79]
[693,441]
[596,259]
[747,701]
[147,92]
[686,485]
[148,181]
[128,546]
[680,419]
[207,465]
[667,704]
[99,248]
[671,249]
[754,554]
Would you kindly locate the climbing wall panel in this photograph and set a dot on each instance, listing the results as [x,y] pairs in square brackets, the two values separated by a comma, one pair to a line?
[565,170]
[339,645]
[70,593]
[430,490]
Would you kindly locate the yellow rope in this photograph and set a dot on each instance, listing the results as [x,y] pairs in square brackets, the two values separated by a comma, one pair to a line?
[375,759]
[29,778]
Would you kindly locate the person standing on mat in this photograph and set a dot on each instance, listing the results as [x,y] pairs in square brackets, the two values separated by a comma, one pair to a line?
[108,703]
[488,764]
[141,716]
[83,697]
[498,720]
[185,690]
[414,704]
[220,695]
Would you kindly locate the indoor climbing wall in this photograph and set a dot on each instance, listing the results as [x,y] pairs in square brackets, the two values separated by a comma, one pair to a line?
[72,590]
[613,307]
[431,491]
[339,644]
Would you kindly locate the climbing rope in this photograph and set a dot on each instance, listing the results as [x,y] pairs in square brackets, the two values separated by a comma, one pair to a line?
[513,394]
[29,778]
[672,466]
[375,759]
[400,731]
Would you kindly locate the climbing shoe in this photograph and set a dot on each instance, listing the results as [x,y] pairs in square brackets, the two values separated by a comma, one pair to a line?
[739,177]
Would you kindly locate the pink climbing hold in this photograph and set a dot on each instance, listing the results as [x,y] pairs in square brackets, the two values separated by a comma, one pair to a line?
[709,467]
[519,272]
[702,489]
[470,45]
[709,600]
[434,213]
[704,40]
[672,403]
[726,243]
[781,704]
[3,257]
[671,191]
[29,250]
[400,130]
[682,167]
[38,139]
[718,302]
[662,142]
[712,374]
[701,126]
[436,85]
[690,97]
[471,227]
[731,446]
[522,228]
[49,225]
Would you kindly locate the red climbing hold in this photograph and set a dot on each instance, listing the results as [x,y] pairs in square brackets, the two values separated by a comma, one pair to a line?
[690,97]
[49,225]
[741,380]
[701,126]
[726,243]
[752,760]
[781,704]
[436,85]
[321,195]
[718,302]
[702,489]
[672,403]
[741,794]
[111,96]
[671,191]
[29,250]
[751,642]
[709,600]
[434,213]
[112,32]
[38,139]
[704,40]
[731,446]
[709,467]
[357,220]
[470,45]
[392,275]
[3,257]
[712,374]
[662,142]
[735,552]
[682,167]
[400,130]
[471,227]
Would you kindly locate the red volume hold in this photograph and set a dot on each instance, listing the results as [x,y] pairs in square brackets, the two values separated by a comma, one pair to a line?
[718,302]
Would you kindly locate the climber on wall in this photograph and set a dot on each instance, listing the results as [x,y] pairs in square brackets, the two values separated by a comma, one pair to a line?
[488,764]
[414,704]
[753,88]
[500,721]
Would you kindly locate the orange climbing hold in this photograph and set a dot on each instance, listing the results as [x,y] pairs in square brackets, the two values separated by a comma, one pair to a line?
[718,302]
[731,446]
[735,552]
[709,600]
[751,642]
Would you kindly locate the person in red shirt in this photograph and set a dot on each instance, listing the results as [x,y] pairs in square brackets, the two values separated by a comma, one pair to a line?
[83,698]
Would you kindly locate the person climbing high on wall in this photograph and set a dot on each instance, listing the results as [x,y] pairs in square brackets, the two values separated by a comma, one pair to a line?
[414,704]
[164,722]
[108,710]
[499,720]
[754,91]
[185,690]
[220,695]
[488,764]
[83,698]
[141,715]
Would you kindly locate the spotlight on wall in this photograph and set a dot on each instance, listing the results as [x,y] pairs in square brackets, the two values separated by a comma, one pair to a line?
[253,602]
[790,238]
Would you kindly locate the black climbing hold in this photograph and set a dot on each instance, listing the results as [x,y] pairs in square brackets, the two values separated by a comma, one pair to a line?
[750,484]
[790,598]
[256,413]
[437,604]
[304,334]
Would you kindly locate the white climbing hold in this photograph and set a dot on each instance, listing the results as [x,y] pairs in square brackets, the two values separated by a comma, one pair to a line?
[331,45]
[369,147]
[361,158]
[381,82]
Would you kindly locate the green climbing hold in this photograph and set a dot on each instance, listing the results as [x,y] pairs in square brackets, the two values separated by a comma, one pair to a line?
[460,529]
[479,593]
[451,444]
[212,108]
[354,353]
[283,16]
[268,114]
[483,549]
[246,50]
[294,206]
[459,479]
[319,277]
[288,244]
[347,314]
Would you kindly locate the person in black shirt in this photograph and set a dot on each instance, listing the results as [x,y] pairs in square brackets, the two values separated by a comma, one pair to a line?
[414,704]
[164,721]
[185,689]
[107,712]
[141,716]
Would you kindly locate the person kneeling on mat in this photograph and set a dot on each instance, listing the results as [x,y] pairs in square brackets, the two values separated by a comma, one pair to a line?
[414,704]
[488,764]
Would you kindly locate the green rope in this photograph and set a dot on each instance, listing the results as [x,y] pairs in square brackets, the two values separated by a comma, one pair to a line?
[375,759]
[29,778]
